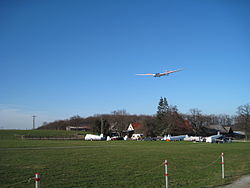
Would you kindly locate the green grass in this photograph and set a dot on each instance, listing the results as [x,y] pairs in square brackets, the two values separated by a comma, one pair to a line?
[15,134]
[118,163]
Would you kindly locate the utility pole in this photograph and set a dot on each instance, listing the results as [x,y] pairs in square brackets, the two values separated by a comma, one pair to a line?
[34,119]
[101,125]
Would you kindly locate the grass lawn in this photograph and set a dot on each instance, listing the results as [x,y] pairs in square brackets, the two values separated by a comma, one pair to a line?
[68,164]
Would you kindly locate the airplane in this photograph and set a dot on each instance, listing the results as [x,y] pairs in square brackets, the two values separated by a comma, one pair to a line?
[214,138]
[94,137]
[174,138]
[160,74]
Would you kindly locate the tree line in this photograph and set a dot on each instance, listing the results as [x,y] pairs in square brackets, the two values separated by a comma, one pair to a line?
[167,120]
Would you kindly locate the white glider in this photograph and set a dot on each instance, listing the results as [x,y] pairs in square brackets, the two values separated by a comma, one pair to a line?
[160,74]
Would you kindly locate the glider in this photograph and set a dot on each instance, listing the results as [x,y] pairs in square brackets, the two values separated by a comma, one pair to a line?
[160,74]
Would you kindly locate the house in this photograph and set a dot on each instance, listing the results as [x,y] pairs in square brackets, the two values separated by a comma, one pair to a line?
[214,129]
[184,127]
[133,128]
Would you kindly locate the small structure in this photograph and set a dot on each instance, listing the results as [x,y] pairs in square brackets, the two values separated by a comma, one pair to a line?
[83,128]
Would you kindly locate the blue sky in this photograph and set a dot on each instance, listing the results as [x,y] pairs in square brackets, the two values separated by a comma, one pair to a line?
[60,58]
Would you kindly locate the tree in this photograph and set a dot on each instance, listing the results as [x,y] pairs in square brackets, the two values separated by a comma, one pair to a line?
[243,118]
[162,107]
[75,121]
[120,112]
[45,123]
[120,121]
[161,122]
[101,126]
[196,119]
[150,127]
[168,119]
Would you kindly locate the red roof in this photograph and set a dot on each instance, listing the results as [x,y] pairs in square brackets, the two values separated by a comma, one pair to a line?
[136,125]
[187,124]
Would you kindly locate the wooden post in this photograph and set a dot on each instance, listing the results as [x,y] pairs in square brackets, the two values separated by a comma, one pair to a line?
[166,172]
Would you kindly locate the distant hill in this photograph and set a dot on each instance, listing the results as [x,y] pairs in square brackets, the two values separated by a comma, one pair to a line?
[116,122]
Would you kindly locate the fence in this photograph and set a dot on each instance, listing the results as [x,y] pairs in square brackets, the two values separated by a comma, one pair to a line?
[38,178]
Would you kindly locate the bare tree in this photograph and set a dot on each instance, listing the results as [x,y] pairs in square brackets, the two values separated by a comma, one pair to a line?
[120,112]
[120,120]
[75,121]
[196,119]
[243,119]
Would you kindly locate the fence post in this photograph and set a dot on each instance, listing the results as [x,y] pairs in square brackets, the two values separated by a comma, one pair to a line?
[222,165]
[37,180]
[166,172]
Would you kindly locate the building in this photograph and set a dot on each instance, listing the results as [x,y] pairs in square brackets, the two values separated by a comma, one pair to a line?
[84,128]
[214,129]
[134,128]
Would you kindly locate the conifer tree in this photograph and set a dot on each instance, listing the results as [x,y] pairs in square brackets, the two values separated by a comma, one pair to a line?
[162,107]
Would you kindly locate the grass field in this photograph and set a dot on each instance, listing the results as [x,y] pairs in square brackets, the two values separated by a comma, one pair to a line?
[66,164]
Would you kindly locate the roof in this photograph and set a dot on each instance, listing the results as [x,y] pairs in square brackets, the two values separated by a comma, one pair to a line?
[83,127]
[187,124]
[78,128]
[136,125]
[133,126]
[228,129]
[220,128]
